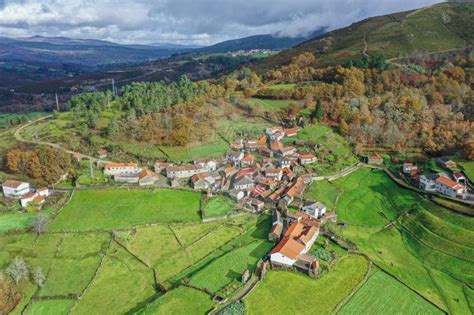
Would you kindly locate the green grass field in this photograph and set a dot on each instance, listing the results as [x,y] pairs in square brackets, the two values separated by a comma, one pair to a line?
[287,86]
[110,209]
[429,248]
[180,301]
[57,307]
[107,292]
[325,192]
[295,292]
[218,206]
[230,267]
[269,105]
[378,294]
[334,153]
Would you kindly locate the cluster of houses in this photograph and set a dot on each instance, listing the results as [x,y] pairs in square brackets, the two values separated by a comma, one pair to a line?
[258,174]
[253,172]
[454,186]
[24,193]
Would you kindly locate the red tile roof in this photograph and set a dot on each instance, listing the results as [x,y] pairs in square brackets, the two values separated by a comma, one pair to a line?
[449,182]
[10,183]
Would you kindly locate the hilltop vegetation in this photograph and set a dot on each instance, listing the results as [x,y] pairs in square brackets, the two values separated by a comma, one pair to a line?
[434,28]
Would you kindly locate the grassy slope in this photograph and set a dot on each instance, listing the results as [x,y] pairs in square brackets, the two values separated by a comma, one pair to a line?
[295,290]
[181,301]
[373,296]
[217,206]
[108,209]
[434,28]
[428,247]
[57,307]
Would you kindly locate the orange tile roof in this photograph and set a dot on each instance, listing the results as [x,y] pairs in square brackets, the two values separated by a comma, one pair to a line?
[289,247]
[111,165]
[10,183]
[146,172]
[308,234]
[449,182]
[294,230]
[276,145]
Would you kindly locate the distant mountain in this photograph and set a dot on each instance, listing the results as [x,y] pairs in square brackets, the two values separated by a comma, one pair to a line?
[175,46]
[87,52]
[433,28]
[268,41]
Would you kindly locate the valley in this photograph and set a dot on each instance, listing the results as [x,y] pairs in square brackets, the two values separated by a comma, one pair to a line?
[333,177]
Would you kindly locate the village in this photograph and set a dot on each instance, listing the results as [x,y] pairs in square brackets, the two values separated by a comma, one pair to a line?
[261,175]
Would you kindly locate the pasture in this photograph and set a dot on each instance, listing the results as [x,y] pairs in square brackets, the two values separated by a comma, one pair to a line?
[269,105]
[325,192]
[229,268]
[295,290]
[113,209]
[180,301]
[217,206]
[382,294]
[428,248]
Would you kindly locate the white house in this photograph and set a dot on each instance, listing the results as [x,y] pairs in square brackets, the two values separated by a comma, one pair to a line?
[428,182]
[307,158]
[121,168]
[314,209]
[296,242]
[234,156]
[236,195]
[209,165]
[243,182]
[449,187]
[409,167]
[184,171]
[43,191]
[275,173]
[30,197]
[15,189]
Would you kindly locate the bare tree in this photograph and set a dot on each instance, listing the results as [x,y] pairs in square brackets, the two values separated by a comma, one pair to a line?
[17,270]
[40,223]
[39,277]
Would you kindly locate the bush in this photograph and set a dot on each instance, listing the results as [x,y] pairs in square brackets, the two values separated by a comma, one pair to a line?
[236,308]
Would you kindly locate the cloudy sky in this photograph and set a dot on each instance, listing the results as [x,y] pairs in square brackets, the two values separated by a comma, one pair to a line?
[185,21]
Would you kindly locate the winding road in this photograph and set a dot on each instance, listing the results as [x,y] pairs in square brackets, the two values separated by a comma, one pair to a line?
[57,146]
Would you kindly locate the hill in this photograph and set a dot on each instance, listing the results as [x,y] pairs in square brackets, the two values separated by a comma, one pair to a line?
[434,28]
[86,52]
[267,41]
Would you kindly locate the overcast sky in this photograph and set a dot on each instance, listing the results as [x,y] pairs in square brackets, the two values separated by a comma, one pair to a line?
[185,21]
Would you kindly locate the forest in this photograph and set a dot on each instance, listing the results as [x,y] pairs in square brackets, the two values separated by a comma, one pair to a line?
[422,102]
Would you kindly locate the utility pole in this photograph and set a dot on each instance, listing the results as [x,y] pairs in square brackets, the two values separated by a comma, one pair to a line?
[91,169]
[113,87]
[57,102]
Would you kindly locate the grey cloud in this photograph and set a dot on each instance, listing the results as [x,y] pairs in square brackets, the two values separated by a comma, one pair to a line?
[185,21]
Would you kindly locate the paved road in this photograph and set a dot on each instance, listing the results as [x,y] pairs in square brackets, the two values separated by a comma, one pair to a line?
[20,138]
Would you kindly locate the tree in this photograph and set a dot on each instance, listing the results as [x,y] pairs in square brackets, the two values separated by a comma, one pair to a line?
[9,297]
[40,223]
[39,277]
[17,270]
[113,127]
[318,111]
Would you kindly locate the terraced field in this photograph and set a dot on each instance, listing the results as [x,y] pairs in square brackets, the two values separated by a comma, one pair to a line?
[375,295]
[121,271]
[426,247]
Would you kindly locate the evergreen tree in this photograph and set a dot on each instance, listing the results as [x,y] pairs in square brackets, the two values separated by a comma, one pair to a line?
[318,111]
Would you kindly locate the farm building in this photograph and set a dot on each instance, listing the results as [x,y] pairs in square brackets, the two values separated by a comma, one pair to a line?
[15,189]
[121,168]
[314,209]
[375,160]
[184,171]
[291,251]
[449,187]
[147,178]
[243,182]
[446,163]
[32,197]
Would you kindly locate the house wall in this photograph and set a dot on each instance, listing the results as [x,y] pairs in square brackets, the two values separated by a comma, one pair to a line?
[22,190]
[122,170]
[281,259]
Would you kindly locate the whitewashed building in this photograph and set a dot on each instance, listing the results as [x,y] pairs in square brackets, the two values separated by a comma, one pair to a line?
[314,209]
[15,189]
[121,168]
